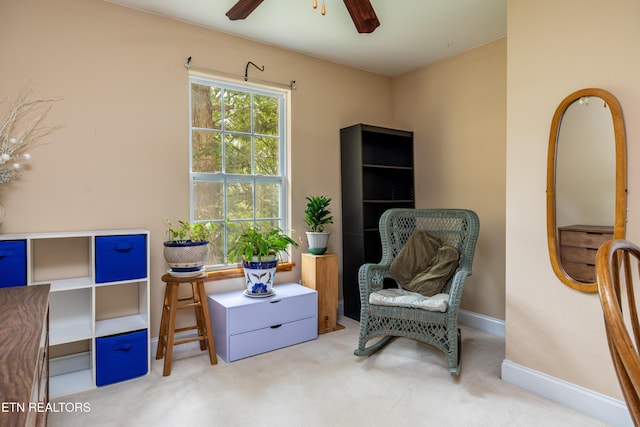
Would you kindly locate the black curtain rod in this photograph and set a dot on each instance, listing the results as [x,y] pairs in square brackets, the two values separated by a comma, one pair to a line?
[291,85]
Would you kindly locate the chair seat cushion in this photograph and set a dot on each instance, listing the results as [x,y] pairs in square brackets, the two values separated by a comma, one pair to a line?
[424,264]
[404,298]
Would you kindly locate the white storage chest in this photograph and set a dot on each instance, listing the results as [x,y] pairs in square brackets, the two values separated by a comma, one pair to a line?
[244,326]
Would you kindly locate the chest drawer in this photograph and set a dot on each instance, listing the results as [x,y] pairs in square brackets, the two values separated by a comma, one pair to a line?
[584,239]
[578,247]
[244,326]
[271,338]
[579,255]
[275,311]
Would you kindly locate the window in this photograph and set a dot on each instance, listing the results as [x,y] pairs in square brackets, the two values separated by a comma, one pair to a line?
[238,164]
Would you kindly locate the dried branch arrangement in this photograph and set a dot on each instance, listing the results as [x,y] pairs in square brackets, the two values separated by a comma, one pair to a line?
[21,130]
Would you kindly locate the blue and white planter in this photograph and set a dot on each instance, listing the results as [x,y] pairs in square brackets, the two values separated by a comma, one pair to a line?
[186,257]
[259,275]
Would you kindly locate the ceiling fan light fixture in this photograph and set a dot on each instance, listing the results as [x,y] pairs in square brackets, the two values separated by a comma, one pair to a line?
[361,11]
[362,15]
[323,10]
[242,9]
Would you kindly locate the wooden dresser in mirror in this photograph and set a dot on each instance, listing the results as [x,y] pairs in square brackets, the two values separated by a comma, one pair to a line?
[578,247]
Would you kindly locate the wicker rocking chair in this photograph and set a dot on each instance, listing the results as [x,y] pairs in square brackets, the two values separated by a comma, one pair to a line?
[456,227]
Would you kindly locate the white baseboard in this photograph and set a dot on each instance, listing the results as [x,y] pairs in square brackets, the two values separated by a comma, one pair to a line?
[481,322]
[596,405]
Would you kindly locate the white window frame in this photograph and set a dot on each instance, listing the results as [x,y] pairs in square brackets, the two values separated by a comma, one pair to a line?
[283,179]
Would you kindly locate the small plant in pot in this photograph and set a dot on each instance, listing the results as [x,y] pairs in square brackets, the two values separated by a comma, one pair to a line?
[317,215]
[187,246]
[259,251]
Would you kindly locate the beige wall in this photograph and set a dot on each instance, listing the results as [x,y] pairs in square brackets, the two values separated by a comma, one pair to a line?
[553,49]
[121,160]
[457,110]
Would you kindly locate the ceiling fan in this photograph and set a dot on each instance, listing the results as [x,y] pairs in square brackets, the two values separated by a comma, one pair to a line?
[361,11]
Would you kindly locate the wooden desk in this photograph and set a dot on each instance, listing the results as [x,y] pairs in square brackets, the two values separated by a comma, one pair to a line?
[24,355]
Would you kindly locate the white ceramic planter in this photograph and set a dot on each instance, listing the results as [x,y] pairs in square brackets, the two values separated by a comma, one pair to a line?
[317,242]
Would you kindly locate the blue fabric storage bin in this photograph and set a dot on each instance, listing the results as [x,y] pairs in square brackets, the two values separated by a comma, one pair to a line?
[121,257]
[121,357]
[13,263]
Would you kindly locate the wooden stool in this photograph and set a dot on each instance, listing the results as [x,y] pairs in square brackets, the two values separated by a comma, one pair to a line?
[197,301]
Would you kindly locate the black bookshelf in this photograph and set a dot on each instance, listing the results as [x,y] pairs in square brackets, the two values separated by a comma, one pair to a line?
[377,174]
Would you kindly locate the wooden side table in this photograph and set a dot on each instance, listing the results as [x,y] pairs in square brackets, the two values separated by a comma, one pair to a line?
[197,301]
[320,272]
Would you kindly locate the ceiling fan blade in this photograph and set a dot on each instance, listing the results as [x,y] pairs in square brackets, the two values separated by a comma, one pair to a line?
[242,9]
[363,15]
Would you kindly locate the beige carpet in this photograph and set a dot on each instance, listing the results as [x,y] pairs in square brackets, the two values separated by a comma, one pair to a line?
[321,383]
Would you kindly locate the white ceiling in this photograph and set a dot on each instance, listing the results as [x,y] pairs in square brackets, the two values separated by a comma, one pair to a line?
[412,33]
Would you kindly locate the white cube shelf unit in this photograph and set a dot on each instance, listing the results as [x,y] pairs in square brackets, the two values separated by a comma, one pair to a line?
[99,292]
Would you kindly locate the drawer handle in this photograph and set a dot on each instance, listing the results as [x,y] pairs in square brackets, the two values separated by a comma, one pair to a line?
[275,301]
[276,326]
[5,253]
[122,347]
[123,247]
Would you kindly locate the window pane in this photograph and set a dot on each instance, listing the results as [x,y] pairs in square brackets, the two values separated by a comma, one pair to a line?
[239,200]
[208,201]
[237,171]
[267,200]
[234,230]
[206,152]
[216,249]
[268,225]
[267,156]
[265,115]
[237,111]
[238,154]
[205,107]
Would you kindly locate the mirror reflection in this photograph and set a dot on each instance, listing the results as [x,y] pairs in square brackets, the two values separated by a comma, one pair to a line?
[583,194]
[586,165]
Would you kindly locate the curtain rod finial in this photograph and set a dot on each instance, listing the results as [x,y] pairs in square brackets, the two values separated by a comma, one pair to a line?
[187,64]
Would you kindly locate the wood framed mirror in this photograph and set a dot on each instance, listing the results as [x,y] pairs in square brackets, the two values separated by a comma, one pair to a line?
[586,184]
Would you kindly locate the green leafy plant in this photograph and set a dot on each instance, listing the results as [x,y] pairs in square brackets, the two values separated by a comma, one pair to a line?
[190,232]
[253,242]
[317,213]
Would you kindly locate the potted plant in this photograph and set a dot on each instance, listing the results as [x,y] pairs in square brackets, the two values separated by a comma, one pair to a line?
[259,251]
[187,246]
[317,215]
